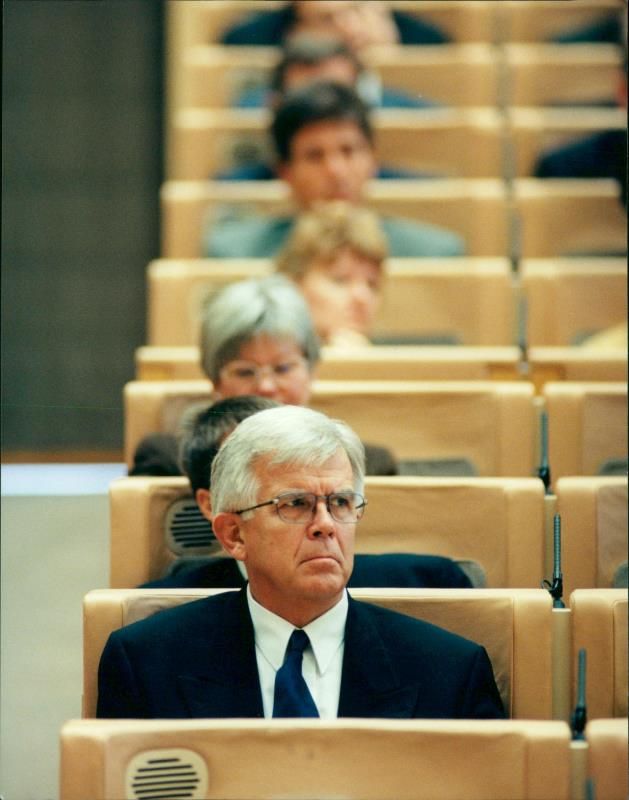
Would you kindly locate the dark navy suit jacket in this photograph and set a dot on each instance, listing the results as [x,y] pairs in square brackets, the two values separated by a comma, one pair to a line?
[198,660]
[394,570]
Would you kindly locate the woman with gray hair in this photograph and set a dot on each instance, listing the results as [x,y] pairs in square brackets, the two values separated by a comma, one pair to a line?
[257,338]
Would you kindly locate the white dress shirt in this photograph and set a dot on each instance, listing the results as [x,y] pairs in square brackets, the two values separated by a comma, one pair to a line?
[322,663]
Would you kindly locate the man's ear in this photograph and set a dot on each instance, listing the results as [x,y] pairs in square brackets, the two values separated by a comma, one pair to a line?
[204,501]
[226,527]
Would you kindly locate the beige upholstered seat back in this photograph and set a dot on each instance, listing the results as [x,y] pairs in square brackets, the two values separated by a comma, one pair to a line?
[489,423]
[569,217]
[514,625]
[599,624]
[587,426]
[462,300]
[476,208]
[593,531]
[523,21]
[380,363]
[445,142]
[607,757]
[365,759]
[552,364]
[497,523]
[570,298]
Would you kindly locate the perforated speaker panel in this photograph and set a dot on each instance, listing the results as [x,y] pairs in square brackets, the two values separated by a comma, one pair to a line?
[166,774]
[187,532]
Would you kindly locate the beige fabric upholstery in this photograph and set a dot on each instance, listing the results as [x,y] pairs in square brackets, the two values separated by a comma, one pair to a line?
[491,423]
[552,364]
[569,217]
[525,21]
[469,299]
[450,142]
[599,624]
[570,297]
[370,760]
[607,757]
[495,522]
[476,208]
[587,425]
[593,530]
[543,74]
[535,130]
[380,362]
[514,625]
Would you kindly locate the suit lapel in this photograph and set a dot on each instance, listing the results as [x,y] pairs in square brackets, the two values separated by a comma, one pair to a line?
[370,684]
[223,681]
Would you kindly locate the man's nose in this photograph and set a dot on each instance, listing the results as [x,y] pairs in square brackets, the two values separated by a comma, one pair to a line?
[266,385]
[336,164]
[322,523]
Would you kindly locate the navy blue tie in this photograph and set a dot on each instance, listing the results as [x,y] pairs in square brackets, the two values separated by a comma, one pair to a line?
[292,697]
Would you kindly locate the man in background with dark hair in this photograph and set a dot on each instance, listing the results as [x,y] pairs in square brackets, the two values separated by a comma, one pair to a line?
[325,149]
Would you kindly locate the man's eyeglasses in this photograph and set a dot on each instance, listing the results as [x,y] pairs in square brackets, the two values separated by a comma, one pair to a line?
[247,372]
[301,507]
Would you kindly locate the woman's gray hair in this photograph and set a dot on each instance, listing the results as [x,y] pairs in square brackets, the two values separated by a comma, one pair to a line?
[290,435]
[238,312]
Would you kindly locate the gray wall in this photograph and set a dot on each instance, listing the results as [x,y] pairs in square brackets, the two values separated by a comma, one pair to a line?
[82,151]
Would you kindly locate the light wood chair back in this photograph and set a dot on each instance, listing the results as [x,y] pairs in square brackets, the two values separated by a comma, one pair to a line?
[599,624]
[492,424]
[384,759]
[569,217]
[514,626]
[568,299]
[593,532]
[587,426]
[607,757]
[476,208]
[461,300]
[539,21]
[497,523]
[552,364]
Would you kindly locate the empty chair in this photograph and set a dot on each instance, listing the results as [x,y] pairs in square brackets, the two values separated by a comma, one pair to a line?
[533,131]
[489,424]
[607,757]
[587,428]
[494,526]
[551,364]
[569,299]
[569,217]
[473,207]
[456,301]
[514,626]
[594,531]
[554,74]
[599,624]
[383,760]
[465,143]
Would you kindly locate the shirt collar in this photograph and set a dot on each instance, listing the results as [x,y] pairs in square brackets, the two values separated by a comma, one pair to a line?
[326,633]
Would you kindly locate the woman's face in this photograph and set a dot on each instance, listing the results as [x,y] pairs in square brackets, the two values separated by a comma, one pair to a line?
[268,367]
[343,294]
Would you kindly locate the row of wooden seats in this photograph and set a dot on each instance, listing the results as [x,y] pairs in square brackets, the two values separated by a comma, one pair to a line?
[496,528]
[203,21]
[418,363]
[518,627]
[466,301]
[538,219]
[449,142]
[383,760]
[492,425]
[454,74]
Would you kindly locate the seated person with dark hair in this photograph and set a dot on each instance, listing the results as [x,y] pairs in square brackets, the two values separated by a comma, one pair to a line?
[306,59]
[287,493]
[206,432]
[360,23]
[324,144]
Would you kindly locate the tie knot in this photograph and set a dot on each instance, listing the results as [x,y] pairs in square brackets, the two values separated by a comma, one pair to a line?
[298,642]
